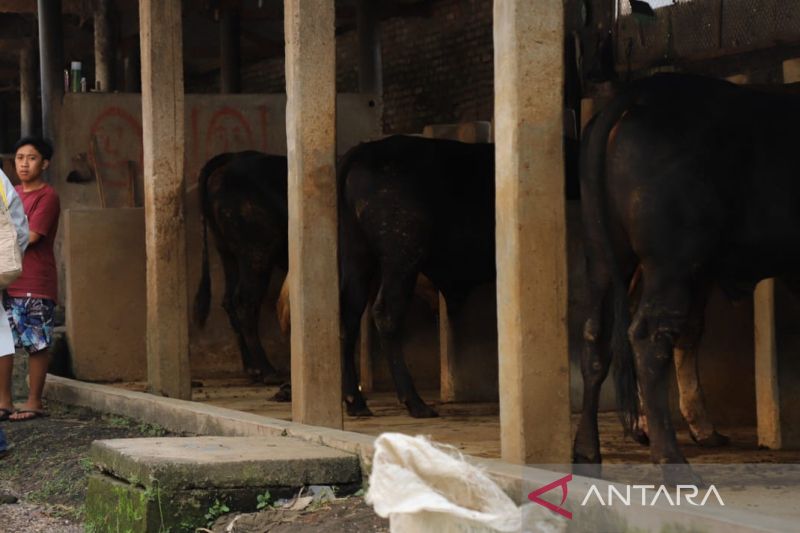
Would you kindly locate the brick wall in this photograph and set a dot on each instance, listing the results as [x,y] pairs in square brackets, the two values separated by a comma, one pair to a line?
[435,69]
[438,69]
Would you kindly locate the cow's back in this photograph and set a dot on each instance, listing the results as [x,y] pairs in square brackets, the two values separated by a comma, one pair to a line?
[443,190]
[704,173]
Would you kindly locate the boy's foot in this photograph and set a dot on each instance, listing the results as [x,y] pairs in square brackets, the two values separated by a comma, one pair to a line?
[5,413]
[21,415]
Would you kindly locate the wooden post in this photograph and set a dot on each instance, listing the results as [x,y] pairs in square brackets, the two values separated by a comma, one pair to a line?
[370,70]
[27,90]
[311,146]
[103,52]
[51,61]
[165,240]
[531,232]
[132,71]
[230,51]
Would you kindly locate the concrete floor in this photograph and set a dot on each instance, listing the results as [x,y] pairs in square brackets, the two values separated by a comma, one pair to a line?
[474,428]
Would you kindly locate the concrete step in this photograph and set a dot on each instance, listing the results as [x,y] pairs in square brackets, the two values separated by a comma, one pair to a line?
[155,484]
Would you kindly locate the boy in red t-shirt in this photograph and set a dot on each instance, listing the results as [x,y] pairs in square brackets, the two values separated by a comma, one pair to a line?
[30,300]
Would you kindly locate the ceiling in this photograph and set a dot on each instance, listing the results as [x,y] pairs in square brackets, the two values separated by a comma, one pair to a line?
[261,29]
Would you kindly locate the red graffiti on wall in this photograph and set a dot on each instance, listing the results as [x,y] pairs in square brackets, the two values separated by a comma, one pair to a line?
[118,136]
[228,130]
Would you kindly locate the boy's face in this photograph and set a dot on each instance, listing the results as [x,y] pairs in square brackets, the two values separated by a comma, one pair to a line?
[29,163]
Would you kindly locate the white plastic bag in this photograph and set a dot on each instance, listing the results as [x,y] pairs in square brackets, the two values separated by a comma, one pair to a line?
[10,254]
[424,487]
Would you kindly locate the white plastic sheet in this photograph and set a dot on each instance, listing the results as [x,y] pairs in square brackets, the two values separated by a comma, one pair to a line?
[424,487]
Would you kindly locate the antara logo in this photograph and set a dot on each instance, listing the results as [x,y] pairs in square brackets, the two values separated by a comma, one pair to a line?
[684,493]
[534,496]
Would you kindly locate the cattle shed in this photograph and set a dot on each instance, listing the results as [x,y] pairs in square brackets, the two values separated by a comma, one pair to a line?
[170,84]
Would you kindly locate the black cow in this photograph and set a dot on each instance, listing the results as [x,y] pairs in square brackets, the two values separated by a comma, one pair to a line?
[410,205]
[243,201]
[694,181]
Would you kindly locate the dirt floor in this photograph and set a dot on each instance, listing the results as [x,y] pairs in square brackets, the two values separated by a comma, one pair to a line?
[49,462]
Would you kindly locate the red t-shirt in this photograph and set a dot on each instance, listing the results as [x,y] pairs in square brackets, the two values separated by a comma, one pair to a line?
[39,278]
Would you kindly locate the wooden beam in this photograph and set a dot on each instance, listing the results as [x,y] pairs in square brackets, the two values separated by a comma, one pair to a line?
[27,89]
[370,68]
[51,61]
[531,232]
[72,7]
[311,143]
[168,370]
[103,47]
[230,50]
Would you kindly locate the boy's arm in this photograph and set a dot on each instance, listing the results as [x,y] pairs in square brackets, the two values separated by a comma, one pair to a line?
[44,218]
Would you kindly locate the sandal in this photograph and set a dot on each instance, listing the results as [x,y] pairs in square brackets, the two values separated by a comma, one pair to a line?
[5,413]
[34,413]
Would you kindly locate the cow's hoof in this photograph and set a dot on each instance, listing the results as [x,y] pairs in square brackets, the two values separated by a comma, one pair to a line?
[715,440]
[579,458]
[639,435]
[284,393]
[421,411]
[681,474]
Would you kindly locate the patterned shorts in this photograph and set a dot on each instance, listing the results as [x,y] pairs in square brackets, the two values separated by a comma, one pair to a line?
[31,322]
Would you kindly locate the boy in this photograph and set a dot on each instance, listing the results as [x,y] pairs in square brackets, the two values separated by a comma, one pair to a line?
[30,300]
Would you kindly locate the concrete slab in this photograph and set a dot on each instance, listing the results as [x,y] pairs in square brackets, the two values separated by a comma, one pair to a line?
[224,462]
[170,484]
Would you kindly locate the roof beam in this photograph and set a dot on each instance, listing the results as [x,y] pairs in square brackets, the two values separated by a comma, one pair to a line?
[73,7]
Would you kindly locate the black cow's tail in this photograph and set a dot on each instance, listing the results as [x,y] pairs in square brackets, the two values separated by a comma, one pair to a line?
[202,299]
[348,226]
[593,178]
[354,260]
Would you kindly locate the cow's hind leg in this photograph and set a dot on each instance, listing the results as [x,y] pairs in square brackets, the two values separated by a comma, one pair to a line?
[389,312]
[595,362]
[353,301]
[230,267]
[254,277]
[657,324]
[692,402]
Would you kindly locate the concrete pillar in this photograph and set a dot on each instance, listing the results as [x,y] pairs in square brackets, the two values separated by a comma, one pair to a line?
[468,349]
[27,90]
[168,370]
[776,311]
[311,147]
[739,79]
[791,70]
[370,68]
[51,62]
[230,51]
[103,51]
[777,341]
[531,232]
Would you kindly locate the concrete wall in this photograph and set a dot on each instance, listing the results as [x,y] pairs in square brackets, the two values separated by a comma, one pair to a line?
[105,288]
[214,124]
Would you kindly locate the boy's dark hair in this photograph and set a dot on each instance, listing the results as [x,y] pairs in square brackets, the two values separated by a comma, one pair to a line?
[43,146]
